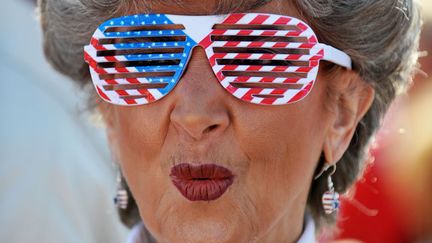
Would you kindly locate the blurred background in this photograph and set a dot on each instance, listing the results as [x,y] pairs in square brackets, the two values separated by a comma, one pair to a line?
[57,179]
[392,202]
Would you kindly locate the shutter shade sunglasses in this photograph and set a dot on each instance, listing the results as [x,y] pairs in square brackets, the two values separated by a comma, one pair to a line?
[259,58]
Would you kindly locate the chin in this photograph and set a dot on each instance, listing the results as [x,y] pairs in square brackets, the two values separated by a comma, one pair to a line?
[205,222]
[206,230]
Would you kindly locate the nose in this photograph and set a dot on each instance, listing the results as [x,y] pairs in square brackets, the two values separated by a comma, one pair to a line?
[199,109]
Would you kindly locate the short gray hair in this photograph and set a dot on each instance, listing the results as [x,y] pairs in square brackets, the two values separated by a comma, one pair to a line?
[381,36]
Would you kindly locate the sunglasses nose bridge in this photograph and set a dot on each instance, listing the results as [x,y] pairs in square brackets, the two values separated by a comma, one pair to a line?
[198,80]
[199,65]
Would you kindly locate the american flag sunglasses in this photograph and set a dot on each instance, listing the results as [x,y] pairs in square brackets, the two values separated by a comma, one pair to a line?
[260,58]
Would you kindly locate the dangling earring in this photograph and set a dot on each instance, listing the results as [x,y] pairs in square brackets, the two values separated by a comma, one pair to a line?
[330,198]
[121,198]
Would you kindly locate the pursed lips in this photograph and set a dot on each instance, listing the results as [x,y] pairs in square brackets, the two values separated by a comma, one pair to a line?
[201,182]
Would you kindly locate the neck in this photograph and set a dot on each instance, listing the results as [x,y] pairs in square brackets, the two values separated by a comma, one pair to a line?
[288,229]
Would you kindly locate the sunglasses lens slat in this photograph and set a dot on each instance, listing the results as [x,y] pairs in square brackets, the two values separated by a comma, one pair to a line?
[135,86]
[261,62]
[131,75]
[147,39]
[263,74]
[259,38]
[143,27]
[233,48]
[255,27]
[140,63]
[141,53]
[269,85]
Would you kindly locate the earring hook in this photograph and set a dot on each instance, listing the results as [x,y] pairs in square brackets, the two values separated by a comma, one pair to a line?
[325,167]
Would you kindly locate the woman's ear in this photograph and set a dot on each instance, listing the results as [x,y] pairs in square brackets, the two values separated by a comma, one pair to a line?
[352,98]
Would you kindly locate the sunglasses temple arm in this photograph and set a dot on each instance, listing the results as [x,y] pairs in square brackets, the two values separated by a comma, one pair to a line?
[337,56]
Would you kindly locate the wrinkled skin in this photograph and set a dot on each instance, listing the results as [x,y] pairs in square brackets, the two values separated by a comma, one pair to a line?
[272,150]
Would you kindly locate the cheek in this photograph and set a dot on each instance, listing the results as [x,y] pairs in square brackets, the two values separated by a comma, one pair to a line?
[283,151]
[139,141]
[138,128]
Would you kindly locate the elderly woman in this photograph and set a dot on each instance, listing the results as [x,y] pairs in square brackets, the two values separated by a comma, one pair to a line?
[228,118]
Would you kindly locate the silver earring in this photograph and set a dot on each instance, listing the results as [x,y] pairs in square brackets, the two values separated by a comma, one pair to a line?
[121,198]
[330,198]
[325,167]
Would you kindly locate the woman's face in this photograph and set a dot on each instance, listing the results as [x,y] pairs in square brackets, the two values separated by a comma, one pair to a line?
[272,152]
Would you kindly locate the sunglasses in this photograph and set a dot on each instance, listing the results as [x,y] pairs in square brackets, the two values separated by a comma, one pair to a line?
[259,58]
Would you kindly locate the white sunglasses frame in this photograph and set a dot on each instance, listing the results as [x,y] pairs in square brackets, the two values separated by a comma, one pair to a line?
[198,28]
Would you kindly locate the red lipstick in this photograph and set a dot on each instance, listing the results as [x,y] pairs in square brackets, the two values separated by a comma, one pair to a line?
[204,182]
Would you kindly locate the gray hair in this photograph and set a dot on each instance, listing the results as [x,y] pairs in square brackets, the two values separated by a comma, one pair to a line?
[381,36]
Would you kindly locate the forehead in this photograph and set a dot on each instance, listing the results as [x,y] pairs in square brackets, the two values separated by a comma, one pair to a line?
[209,7]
